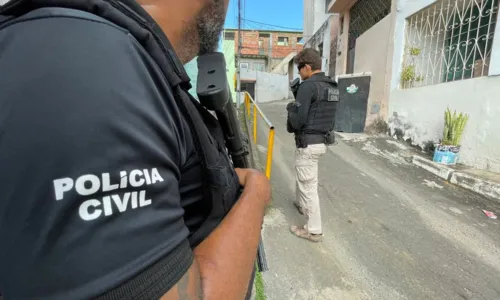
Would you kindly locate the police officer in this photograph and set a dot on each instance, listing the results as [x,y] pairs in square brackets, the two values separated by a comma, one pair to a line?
[311,118]
[111,184]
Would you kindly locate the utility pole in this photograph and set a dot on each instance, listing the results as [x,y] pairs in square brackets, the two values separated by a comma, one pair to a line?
[238,69]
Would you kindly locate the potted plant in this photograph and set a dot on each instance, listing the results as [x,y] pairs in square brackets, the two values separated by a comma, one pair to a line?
[447,151]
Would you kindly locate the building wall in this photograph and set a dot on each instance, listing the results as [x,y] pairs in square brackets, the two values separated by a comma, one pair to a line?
[254,62]
[268,87]
[308,19]
[418,112]
[315,15]
[228,50]
[342,44]
[250,43]
[320,13]
[325,35]
[373,44]
[406,8]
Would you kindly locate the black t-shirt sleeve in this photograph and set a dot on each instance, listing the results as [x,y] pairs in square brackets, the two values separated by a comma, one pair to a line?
[91,144]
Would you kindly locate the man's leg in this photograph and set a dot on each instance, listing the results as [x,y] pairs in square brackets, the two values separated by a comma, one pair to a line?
[299,204]
[306,165]
[314,225]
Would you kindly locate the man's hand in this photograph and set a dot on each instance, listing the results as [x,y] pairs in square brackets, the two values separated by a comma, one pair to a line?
[257,182]
[227,257]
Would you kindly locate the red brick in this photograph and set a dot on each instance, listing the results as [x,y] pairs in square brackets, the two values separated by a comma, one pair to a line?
[250,45]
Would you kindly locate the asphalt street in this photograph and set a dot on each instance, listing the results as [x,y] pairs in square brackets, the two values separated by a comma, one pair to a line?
[392,230]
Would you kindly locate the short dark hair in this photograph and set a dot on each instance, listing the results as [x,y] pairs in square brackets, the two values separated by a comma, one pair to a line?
[310,57]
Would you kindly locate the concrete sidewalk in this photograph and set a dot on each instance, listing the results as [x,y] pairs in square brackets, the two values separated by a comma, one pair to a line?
[392,230]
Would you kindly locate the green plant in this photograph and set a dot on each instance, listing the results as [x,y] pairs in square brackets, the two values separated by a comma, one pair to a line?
[454,125]
[409,74]
[414,51]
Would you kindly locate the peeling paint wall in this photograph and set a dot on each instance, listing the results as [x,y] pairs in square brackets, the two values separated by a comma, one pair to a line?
[418,114]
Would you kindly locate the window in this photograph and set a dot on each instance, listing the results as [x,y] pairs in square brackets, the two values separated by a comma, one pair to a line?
[264,35]
[282,41]
[448,41]
[244,65]
[299,38]
[259,67]
[229,36]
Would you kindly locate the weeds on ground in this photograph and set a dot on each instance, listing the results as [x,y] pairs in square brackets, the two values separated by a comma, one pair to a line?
[259,287]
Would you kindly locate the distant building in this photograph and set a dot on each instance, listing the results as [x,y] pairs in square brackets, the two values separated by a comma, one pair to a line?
[263,50]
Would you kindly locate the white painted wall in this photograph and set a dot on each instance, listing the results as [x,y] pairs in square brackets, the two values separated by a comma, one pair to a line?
[320,15]
[419,112]
[308,19]
[314,16]
[268,86]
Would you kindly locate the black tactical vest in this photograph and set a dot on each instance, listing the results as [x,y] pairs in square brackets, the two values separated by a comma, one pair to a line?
[321,116]
[221,185]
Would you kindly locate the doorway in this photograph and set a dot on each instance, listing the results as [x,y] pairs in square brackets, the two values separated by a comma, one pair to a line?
[248,87]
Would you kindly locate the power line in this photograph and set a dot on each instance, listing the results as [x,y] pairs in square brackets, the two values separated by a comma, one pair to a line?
[272,25]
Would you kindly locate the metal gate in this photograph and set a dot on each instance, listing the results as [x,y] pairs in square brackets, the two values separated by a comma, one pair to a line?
[353,104]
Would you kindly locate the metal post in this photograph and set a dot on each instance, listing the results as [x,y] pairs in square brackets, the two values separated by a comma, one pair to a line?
[255,123]
[238,60]
[270,146]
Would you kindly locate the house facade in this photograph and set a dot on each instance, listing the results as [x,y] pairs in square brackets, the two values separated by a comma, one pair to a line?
[321,30]
[424,56]
[263,50]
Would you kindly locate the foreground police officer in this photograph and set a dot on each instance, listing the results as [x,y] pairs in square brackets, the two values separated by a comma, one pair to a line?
[114,183]
[311,118]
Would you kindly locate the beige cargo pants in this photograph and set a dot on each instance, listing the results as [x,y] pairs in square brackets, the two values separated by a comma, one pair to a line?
[306,167]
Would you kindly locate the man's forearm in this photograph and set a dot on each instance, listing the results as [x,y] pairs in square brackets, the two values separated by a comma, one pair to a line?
[226,258]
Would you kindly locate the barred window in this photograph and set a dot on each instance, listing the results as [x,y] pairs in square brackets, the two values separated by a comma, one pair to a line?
[447,41]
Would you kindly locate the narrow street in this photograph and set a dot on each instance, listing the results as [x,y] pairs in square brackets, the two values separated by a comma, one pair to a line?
[392,230]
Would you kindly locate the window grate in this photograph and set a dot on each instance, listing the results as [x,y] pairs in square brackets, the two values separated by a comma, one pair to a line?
[363,15]
[448,41]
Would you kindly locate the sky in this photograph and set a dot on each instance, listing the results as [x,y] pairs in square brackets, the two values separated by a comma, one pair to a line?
[266,14]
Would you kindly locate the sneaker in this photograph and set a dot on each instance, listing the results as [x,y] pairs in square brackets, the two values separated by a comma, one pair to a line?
[298,207]
[301,232]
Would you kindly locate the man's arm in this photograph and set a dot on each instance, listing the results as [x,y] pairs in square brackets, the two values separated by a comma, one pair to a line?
[224,261]
[303,103]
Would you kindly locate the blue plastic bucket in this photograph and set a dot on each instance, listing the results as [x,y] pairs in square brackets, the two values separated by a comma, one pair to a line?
[446,155]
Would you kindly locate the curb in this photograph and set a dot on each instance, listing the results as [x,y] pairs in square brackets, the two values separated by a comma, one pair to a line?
[473,183]
[439,170]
